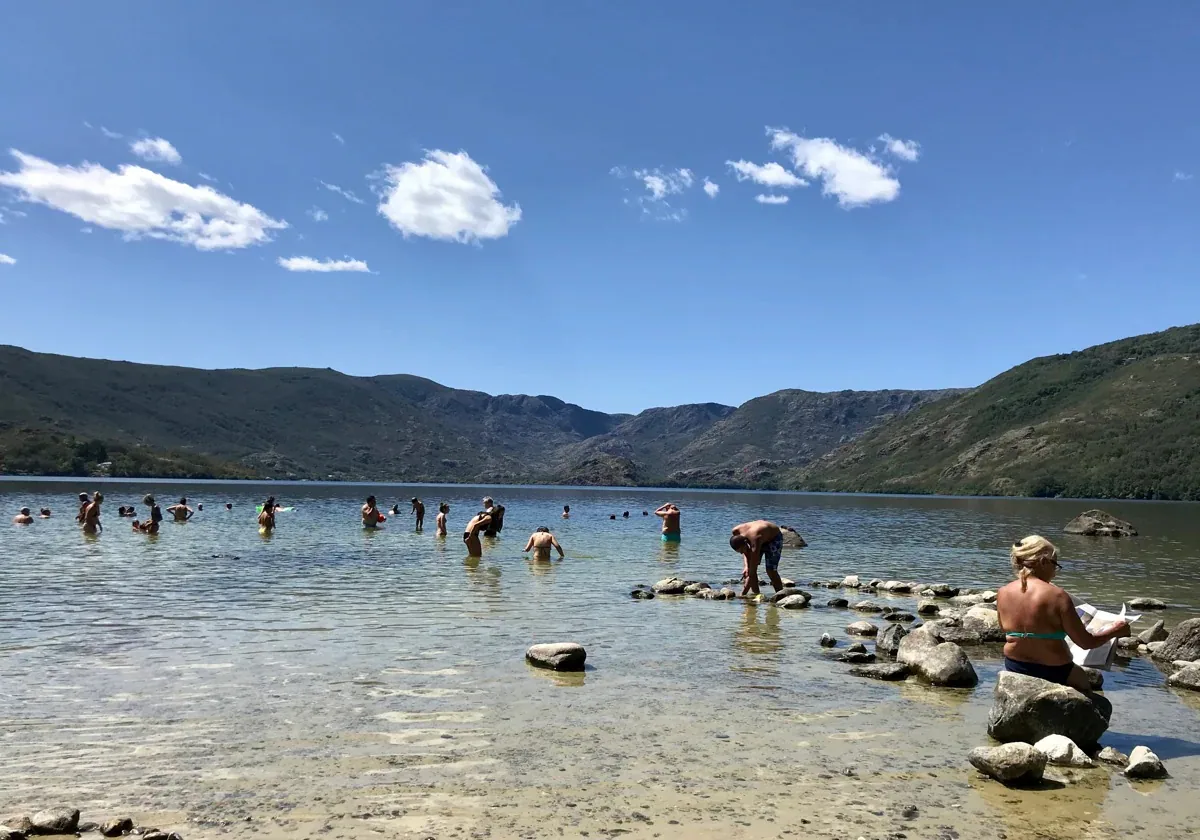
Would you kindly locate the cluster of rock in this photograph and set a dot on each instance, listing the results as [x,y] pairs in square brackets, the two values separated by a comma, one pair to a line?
[1040,723]
[66,821]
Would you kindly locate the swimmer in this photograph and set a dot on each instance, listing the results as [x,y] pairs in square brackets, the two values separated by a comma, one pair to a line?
[566,512]
[199,507]
[625,515]
[91,516]
[418,509]
[443,509]
[23,518]
[395,511]
[44,513]
[670,517]
[541,541]
[756,541]
[266,517]
[84,501]
[370,514]
[156,515]
[229,506]
[121,510]
[140,527]
[479,522]
[181,511]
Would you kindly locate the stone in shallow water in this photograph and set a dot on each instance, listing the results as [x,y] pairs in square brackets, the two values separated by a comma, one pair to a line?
[642,594]
[563,656]
[944,590]
[791,539]
[889,671]
[862,628]
[56,821]
[694,588]
[670,586]
[897,615]
[851,582]
[889,640]
[867,606]
[857,647]
[1028,709]
[787,592]
[827,640]
[840,603]
[928,608]
[1060,749]
[1187,677]
[1097,523]
[1147,604]
[1157,632]
[856,657]
[1111,755]
[1144,764]
[793,602]
[1182,643]
[1015,763]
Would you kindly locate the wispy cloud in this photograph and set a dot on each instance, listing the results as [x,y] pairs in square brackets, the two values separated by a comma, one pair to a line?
[339,138]
[1180,175]
[346,194]
[771,199]
[5,259]
[659,184]
[141,203]
[908,150]
[111,135]
[767,175]
[711,189]
[446,196]
[318,215]
[854,178]
[207,177]
[156,149]
[311,264]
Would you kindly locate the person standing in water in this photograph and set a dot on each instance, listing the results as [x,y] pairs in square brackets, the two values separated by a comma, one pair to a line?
[755,541]
[371,517]
[669,513]
[156,515]
[91,516]
[266,517]
[566,512]
[23,518]
[496,514]
[181,511]
[443,509]
[84,501]
[418,509]
[479,522]
[540,542]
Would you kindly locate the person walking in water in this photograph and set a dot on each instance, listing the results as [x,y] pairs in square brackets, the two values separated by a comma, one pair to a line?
[418,509]
[371,517]
[443,509]
[669,514]
[755,541]
[181,511]
[479,522]
[540,542]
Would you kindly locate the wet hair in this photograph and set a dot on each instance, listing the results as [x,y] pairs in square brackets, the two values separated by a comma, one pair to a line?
[148,500]
[25,511]
[612,516]
[443,508]
[645,513]
[183,500]
[566,508]
[737,542]
[542,529]
[229,505]
[44,511]
[370,500]
[1029,554]
[414,500]
[121,510]
[625,514]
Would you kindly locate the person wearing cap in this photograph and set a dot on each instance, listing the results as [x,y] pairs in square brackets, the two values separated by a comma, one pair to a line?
[23,518]
[84,501]
[418,509]
[181,511]
[370,514]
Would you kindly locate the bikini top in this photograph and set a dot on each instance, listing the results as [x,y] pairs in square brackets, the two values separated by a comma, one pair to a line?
[1060,636]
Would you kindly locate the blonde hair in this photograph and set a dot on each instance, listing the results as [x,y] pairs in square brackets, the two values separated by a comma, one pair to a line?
[1028,554]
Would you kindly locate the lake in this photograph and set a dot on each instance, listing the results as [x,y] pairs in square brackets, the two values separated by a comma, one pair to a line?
[332,681]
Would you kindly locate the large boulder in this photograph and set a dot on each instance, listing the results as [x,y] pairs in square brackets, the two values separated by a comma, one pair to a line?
[1015,763]
[1188,677]
[56,821]
[940,663]
[1028,709]
[1097,523]
[888,642]
[791,539]
[928,608]
[952,630]
[1061,750]
[1182,643]
[670,586]
[943,590]
[564,656]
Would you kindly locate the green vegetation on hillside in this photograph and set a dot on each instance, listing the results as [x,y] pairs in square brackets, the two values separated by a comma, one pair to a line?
[1119,420]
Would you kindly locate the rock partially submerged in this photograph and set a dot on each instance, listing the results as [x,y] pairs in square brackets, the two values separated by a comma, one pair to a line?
[828,641]
[642,593]
[1061,750]
[851,582]
[1144,764]
[1015,763]
[1097,523]
[888,671]
[858,657]
[1187,677]
[1028,709]
[1182,643]
[840,603]
[928,608]
[940,663]
[1157,632]
[867,607]
[862,628]
[1147,604]
[670,586]
[563,656]
[791,539]
[695,588]
[793,602]
[1111,755]
[888,642]
[56,821]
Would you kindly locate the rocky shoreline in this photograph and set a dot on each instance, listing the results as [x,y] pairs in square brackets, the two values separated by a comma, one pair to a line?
[62,820]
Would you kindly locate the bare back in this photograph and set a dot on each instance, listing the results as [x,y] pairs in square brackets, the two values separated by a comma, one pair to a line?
[759,532]
[1041,608]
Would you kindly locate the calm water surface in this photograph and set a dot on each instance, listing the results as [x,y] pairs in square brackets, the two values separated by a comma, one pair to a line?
[329,680]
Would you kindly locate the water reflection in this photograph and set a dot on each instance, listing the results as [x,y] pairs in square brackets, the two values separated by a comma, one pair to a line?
[758,634]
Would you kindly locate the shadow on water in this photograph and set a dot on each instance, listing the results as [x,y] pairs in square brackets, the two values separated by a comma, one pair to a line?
[1165,747]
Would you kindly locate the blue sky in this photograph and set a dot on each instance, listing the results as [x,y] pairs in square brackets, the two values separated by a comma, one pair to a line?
[531,189]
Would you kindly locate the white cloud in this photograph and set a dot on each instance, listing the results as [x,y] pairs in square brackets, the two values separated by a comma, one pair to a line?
[207,177]
[156,149]
[318,215]
[853,177]
[338,138]
[1182,176]
[771,199]
[311,264]
[711,189]
[5,259]
[141,203]
[908,150]
[768,174]
[111,135]
[446,196]
[346,194]
[660,184]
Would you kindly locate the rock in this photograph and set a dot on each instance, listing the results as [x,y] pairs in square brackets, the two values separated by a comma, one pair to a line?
[85,827]
[1095,677]
[856,657]
[1153,648]
[1147,604]
[155,834]
[985,622]
[874,583]
[1182,643]
[951,630]
[725,594]
[1110,755]
[116,827]
[897,587]
[670,586]
[828,641]
[988,596]
[832,584]
[888,671]
[966,600]
[1156,633]
[791,539]
[897,615]
[1061,750]
[1187,677]
[1144,764]
[20,823]
[851,582]
[1028,709]
[56,821]
[1097,523]
[928,608]
[788,592]
[1128,647]
[786,583]
[867,606]
[564,656]
[1015,763]
[793,602]
[889,640]
[642,594]
[862,628]
[944,590]
[840,603]
[857,647]
[693,588]
[6,834]
[948,665]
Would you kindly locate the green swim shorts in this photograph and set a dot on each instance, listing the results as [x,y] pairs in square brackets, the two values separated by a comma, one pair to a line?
[671,536]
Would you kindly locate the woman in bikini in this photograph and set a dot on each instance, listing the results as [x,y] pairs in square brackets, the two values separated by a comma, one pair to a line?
[1038,617]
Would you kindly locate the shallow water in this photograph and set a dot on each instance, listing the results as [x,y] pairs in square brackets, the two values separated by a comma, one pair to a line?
[332,681]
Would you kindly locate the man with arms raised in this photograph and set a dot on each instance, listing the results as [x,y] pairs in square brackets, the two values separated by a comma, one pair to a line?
[757,540]
[541,541]
[669,513]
